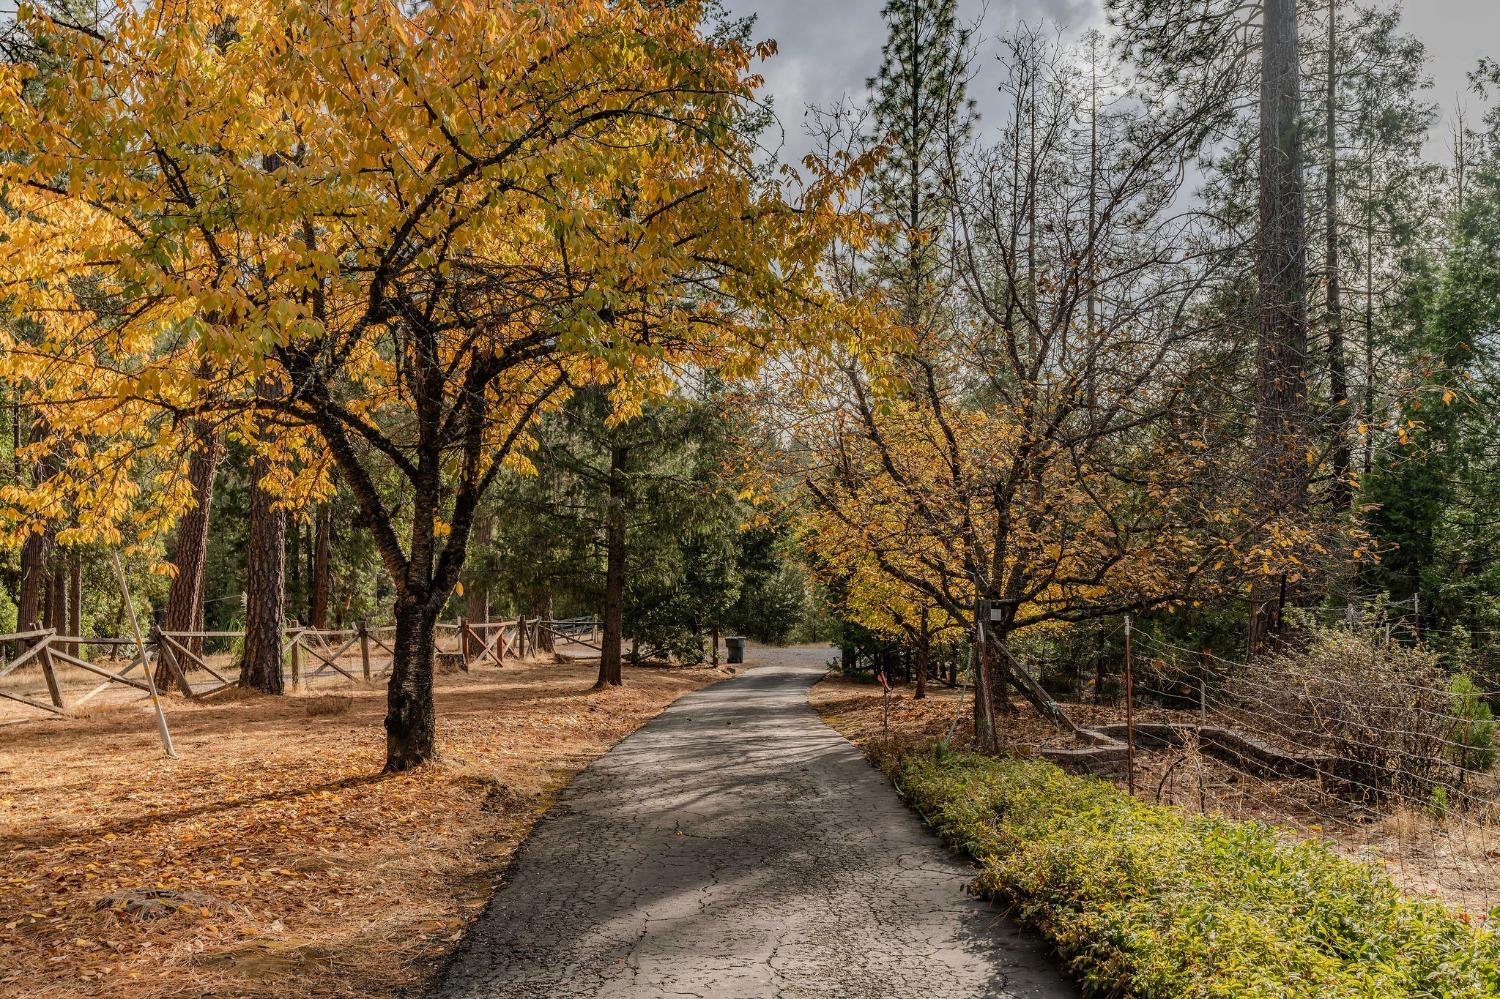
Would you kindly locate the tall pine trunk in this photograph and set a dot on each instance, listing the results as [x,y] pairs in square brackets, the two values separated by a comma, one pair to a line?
[614,574]
[1342,494]
[1281,472]
[477,595]
[190,553]
[265,587]
[75,602]
[57,595]
[322,570]
[31,605]
[541,612]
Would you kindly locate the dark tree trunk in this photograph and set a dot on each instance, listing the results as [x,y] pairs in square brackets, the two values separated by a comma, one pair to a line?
[265,588]
[541,611]
[1281,472]
[411,719]
[309,552]
[986,737]
[31,607]
[1342,494]
[190,554]
[296,590]
[322,581]
[476,596]
[57,596]
[924,651]
[614,573]
[75,602]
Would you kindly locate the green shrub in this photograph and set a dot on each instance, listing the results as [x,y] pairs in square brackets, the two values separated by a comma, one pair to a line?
[1472,742]
[1145,901]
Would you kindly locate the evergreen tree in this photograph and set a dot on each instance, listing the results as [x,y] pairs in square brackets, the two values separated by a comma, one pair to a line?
[921,112]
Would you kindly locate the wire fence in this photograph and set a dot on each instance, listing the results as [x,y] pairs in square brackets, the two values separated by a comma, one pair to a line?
[1360,735]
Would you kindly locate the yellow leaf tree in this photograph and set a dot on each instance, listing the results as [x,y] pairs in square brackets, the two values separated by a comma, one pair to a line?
[379,239]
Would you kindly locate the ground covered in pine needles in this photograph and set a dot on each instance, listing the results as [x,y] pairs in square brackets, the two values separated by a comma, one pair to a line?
[288,865]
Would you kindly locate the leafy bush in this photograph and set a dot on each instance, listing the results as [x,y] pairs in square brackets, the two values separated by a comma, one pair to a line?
[1381,709]
[1472,741]
[1146,901]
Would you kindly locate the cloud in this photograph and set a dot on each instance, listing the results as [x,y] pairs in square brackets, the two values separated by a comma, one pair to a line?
[829,48]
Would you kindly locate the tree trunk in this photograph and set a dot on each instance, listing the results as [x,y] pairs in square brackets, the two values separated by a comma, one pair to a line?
[477,596]
[31,605]
[322,581]
[190,553]
[57,596]
[924,651]
[1281,473]
[411,719]
[541,611]
[295,601]
[1342,495]
[75,603]
[614,573]
[985,735]
[265,588]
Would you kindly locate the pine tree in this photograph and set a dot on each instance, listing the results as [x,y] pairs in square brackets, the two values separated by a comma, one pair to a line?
[922,112]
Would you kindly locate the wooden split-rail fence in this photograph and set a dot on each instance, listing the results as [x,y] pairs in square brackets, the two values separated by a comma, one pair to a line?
[363,653]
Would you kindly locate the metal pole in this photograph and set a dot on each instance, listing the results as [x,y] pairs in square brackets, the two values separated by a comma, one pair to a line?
[140,645]
[1129,714]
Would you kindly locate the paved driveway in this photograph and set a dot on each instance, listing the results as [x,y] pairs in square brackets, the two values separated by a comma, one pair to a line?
[738,847]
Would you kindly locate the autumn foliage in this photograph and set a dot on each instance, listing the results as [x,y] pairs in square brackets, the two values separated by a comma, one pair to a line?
[376,240]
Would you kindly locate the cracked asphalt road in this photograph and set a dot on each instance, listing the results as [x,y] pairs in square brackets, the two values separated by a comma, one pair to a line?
[738,848]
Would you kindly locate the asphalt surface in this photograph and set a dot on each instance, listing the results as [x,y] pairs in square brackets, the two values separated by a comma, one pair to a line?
[738,848]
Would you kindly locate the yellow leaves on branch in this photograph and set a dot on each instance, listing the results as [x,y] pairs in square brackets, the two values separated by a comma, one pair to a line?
[196,198]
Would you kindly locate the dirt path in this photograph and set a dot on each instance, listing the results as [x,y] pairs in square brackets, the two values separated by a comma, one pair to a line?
[738,847]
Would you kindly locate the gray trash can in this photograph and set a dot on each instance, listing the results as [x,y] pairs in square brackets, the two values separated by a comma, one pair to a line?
[735,646]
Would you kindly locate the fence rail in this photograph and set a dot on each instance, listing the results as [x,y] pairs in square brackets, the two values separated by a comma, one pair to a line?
[180,658]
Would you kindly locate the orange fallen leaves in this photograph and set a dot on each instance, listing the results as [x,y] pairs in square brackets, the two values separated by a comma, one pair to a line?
[322,877]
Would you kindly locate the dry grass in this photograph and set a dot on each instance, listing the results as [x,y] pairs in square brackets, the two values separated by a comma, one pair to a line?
[1456,858]
[320,877]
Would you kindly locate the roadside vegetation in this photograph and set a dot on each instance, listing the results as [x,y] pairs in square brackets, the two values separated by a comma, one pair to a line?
[1144,900]
[1157,900]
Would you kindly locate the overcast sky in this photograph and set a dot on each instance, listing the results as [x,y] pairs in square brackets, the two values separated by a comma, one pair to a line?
[828,48]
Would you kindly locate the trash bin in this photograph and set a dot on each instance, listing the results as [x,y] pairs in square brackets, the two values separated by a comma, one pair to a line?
[735,646]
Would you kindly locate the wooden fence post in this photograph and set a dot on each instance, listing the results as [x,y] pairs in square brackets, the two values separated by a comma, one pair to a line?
[520,636]
[140,645]
[53,690]
[465,647]
[178,671]
[364,650]
[296,659]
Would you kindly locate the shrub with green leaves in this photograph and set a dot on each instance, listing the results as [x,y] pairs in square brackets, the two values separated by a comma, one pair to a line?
[1149,902]
[1472,741]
